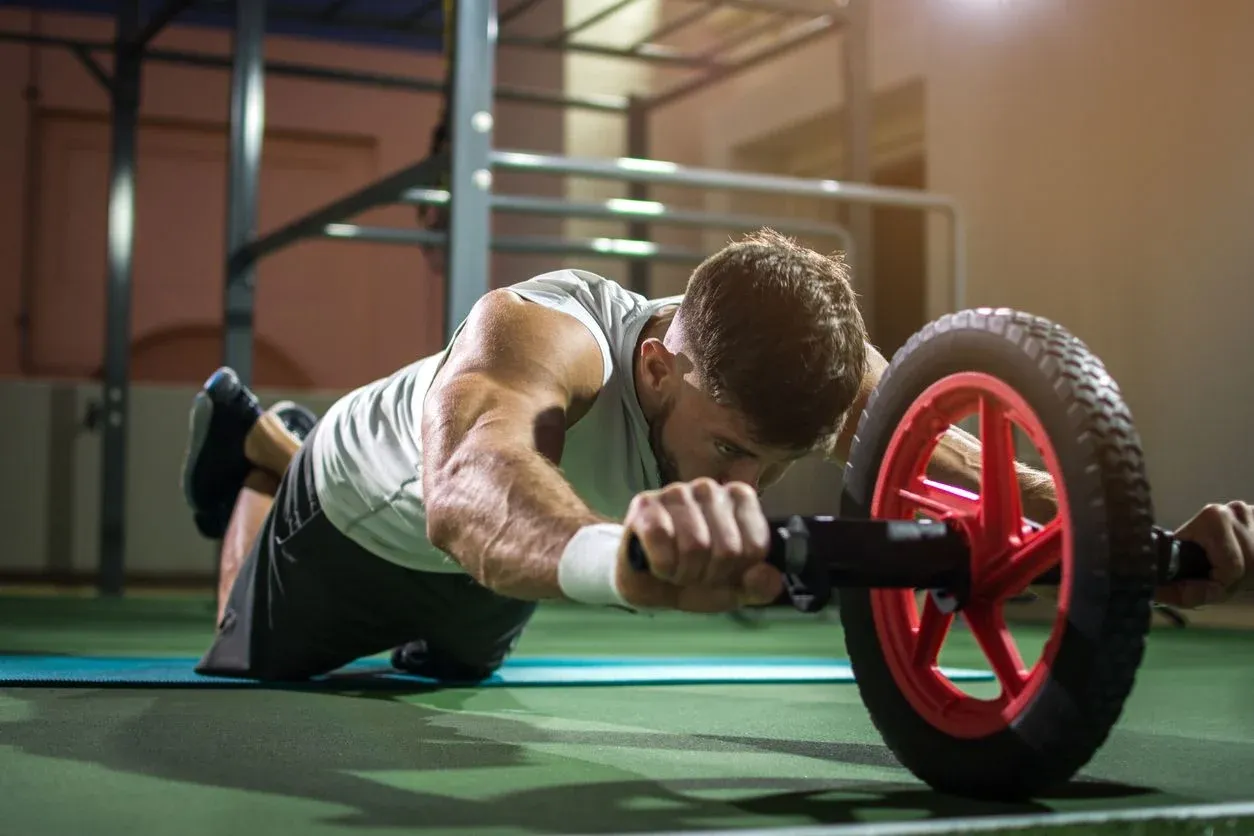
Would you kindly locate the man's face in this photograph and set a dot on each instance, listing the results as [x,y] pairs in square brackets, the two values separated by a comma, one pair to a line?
[694,437]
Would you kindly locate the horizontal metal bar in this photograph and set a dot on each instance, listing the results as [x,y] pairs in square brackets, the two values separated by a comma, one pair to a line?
[620,209]
[628,169]
[382,192]
[741,36]
[791,8]
[563,37]
[161,19]
[602,103]
[794,39]
[678,23]
[536,245]
[660,55]
[49,40]
[649,53]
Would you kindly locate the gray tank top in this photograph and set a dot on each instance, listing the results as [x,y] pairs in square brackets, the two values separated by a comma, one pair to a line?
[367,451]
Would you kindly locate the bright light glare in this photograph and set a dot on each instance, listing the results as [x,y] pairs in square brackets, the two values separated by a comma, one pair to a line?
[635,207]
[655,166]
[623,246]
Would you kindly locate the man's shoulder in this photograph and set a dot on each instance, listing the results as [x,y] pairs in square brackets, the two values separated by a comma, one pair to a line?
[588,285]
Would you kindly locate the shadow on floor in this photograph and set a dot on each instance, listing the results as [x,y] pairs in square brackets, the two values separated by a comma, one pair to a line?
[322,747]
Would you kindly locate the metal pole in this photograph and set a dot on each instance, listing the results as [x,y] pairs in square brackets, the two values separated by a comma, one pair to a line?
[621,209]
[121,251]
[247,129]
[639,278]
[599,102]
[674,174]
[470,176]
[859,120]
[659,171]
[389,190]
[616,248]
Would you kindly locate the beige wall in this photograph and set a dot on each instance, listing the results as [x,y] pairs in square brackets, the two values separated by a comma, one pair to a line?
[323,140]
[1100,151]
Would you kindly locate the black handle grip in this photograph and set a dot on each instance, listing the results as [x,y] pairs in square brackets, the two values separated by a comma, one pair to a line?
[1179,560]
[1186,560]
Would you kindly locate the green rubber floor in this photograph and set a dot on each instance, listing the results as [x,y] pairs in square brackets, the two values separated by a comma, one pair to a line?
[539,760]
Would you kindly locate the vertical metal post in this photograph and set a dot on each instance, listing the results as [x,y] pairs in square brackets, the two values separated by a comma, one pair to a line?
[639,277]
[859,122]
[473,69]
[248,122]
[121,251]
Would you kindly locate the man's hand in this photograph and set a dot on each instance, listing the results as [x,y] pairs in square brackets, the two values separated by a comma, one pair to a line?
[1226,532]
[706,544]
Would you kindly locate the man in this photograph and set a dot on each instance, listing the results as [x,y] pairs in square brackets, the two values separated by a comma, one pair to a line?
[430,511]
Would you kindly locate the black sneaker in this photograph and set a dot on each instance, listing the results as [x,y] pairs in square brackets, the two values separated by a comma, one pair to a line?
[299,422]
[417,659]
[298,419]
[214,466]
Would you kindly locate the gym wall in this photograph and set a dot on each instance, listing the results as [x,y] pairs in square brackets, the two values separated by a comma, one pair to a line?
[323,140]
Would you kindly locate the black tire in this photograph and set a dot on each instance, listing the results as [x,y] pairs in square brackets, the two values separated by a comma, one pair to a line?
[1099,452]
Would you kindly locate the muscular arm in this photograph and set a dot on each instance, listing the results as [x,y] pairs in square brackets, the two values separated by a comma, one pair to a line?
[493,429]
[957,457]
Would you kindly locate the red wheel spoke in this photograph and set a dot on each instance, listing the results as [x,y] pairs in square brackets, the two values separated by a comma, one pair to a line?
[930,634]
[1001,512]
[988,625]
[1041,553]
[939,500]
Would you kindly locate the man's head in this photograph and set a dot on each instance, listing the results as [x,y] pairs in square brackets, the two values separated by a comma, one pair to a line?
[758,368]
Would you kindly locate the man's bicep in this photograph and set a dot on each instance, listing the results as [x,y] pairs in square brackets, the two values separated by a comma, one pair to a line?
[513,376]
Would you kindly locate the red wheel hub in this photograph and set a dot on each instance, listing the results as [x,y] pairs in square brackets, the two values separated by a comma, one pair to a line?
[1007,553]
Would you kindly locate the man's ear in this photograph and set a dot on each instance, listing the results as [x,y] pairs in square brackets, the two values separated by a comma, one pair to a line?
[657,365]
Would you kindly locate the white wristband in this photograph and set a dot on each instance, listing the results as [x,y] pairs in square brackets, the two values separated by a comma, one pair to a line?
[588,569]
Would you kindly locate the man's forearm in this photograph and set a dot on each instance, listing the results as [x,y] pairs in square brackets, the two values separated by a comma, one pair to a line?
[505,514]
[957,461]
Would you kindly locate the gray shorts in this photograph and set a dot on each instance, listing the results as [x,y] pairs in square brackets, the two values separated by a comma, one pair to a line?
[309,600]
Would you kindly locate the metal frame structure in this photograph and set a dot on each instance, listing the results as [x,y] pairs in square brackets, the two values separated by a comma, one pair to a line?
[472,41]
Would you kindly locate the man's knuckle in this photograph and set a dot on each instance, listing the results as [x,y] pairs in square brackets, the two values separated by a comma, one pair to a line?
[1215,512]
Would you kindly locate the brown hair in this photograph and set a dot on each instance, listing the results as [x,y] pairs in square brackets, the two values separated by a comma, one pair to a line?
[774,332]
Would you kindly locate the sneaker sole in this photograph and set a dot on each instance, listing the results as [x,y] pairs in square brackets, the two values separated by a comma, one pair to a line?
[197,431]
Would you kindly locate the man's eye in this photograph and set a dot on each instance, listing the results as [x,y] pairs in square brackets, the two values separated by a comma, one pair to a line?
[726,450]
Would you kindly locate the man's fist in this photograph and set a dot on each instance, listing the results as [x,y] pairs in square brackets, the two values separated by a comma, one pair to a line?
[1226,532]
[706,544]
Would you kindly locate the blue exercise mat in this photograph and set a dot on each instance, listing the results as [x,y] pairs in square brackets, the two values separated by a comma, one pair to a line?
[522,671]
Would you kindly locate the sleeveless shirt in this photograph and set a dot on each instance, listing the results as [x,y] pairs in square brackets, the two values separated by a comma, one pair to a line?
[367,448]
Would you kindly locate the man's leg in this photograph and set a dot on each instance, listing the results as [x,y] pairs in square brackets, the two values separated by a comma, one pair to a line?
[252,507]
[466,630]
[307,599]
